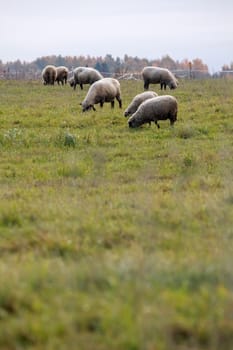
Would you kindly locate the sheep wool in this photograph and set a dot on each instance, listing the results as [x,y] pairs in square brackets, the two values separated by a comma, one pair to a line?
[154,109]
[84,75]
[158,75]
[62,75]
[104,90]
[137,100]
[49,74]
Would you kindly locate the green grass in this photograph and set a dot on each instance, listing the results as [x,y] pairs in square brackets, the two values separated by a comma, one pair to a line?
[112,238]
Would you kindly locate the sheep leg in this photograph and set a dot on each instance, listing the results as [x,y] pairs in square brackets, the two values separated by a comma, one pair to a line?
[162,86]
[172,122]
[81,86]
[156,122]
[112,104]
[173,118]
[119,101]
[146,85]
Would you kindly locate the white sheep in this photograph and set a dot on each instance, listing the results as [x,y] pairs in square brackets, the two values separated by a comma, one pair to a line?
[158,75]
[154,109]
[49,74]
[84,75]
[104,90]
[137,100]
[62,74]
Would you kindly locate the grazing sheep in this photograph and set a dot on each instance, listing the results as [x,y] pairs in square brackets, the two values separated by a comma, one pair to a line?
[49,75]
[84,75]
[104,90]
[62,75]
[137,100]
[71,81]
[157,75]
[154,109]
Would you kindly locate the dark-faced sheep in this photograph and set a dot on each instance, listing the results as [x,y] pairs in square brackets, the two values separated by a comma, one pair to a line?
[137,100]
[104,90]
[49,75]
[62,75]
[84,75]
[157,75]
[154,109]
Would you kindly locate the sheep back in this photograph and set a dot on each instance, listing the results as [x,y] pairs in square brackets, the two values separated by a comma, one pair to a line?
[154,109]
[85,75]
[137,100]
[49,74]
[62,74]
[158,75]
[101,91]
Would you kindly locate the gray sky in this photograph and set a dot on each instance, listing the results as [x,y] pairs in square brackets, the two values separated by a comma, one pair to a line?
[149,28]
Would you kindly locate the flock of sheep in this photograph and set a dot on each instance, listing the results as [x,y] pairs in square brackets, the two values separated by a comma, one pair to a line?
[145,107]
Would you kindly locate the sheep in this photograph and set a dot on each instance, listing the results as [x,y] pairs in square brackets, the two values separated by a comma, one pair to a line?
[62,74]
[137,100]
[71,81]
[157,75]
[84,75]
[154,109]
[49,74]
[104,90]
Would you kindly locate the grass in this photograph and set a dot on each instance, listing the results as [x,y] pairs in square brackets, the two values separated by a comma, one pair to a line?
[112,238]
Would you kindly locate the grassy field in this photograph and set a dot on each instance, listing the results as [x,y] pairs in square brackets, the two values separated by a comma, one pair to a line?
[112,238]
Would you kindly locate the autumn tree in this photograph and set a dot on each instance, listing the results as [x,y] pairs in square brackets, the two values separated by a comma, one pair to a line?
[185,64]
[108,64]
[197,64]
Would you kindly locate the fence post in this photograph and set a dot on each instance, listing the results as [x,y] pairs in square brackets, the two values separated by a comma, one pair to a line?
[190,70]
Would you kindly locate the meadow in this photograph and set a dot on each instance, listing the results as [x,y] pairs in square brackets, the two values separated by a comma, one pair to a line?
[113,238]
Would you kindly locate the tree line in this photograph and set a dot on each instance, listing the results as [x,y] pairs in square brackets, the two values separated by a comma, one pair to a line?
[107,64]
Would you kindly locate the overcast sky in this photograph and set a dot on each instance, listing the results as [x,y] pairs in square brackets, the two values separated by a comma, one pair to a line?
[146,28]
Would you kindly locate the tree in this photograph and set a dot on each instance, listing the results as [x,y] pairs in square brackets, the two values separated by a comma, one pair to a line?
[107,64]
[199,65]
[60,61]
[168,62]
